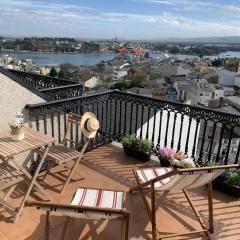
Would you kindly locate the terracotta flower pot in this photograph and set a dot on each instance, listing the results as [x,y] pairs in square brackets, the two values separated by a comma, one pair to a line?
[17,134]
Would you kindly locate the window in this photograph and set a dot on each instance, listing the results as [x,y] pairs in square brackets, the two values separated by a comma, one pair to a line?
[201,94]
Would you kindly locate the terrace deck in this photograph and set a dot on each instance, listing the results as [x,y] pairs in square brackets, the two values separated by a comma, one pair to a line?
[108,167]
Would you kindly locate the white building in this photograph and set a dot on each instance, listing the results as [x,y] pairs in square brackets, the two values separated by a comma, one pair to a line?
[92,82]
[217,91]
[120,72]
[200,92]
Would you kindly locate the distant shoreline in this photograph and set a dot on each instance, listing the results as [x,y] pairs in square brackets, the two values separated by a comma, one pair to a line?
[25,51]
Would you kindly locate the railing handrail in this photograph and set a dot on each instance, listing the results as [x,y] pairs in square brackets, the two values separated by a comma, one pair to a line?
[29,106]
[180,104]
[43,76]
[165,102]
[60,87]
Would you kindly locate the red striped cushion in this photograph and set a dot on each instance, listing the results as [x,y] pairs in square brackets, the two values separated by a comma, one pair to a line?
[98,198]
[151,173]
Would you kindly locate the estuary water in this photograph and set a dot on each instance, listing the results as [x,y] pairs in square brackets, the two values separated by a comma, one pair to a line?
[43,59]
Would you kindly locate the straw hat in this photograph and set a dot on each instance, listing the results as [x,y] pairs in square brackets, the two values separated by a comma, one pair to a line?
[89,125]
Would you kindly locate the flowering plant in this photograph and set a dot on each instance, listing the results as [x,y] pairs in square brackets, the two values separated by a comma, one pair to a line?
[166,152]
[178,159]
[17,122]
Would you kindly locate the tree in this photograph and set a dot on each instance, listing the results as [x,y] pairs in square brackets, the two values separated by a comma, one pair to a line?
[64,71]
[217,62]
[53,72]
[121,85]
[138,79]
[146,55]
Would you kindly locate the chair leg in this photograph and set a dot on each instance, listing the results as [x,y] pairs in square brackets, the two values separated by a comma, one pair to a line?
[75,165]
[143,197]
[153,213]
[71,174]
[210,208]
[127,227]
[65,228]
[207,231]
[9,192]
[47,226]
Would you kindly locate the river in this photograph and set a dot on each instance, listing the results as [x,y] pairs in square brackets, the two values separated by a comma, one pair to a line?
[42,59]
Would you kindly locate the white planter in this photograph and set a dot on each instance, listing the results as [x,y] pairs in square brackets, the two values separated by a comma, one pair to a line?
[17,134]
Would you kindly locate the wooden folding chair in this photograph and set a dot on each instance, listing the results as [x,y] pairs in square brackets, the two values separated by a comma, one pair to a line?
[90,204]
[61,154]
[9,179]
[166,179]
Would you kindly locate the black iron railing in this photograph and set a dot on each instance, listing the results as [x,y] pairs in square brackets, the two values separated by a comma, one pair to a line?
[64,92]
[200,132]
[40,81]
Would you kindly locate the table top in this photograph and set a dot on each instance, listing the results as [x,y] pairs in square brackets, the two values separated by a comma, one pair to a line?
[32,140]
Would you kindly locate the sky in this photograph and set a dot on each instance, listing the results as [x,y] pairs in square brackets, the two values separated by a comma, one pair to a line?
[124,19]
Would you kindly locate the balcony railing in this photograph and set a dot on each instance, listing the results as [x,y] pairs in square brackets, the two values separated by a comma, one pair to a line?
[40,81]
[202,133]
[64,92]
[51,88]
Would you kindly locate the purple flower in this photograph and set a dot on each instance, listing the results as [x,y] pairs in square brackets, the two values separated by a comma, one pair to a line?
[166,152]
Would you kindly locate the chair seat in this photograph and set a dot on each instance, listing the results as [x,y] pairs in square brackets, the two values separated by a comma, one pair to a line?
[61,154]
[151,173]
[98,198]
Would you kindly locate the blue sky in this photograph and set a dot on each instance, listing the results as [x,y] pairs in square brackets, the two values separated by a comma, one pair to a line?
[126,19]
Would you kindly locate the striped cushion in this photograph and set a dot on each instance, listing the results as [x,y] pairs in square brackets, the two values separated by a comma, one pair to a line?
[151,173]
[177,182]
[98,198]
[180,182]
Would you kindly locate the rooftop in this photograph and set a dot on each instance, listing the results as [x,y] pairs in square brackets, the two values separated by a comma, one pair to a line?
[108,166]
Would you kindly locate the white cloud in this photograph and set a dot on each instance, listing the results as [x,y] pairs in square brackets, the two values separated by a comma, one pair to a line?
[196,5]
[232,10]
[38,16]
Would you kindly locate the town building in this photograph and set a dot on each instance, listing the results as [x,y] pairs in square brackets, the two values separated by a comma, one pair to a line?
[225,77]
[200,92]
[120,72]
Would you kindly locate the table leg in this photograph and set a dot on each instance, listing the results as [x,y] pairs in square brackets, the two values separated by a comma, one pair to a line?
[32,183]
[28,175]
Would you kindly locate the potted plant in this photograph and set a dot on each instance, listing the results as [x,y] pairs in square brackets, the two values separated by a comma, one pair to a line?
[136,147]
[164,155]
[16,126]
[229,183]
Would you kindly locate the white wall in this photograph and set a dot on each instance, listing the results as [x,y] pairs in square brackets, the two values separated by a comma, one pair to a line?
[13,98]
[170,130]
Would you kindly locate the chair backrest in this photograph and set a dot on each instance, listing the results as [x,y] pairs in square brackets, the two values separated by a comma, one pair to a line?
[188,181]
[180,179]
[73,122]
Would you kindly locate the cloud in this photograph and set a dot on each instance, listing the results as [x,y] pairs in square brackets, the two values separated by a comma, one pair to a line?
[232,10]
[196,5]
[41,17]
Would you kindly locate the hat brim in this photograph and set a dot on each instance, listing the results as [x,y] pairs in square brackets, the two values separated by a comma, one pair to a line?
[85,132]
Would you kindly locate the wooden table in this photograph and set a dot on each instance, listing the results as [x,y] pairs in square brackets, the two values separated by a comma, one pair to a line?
[9,149]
